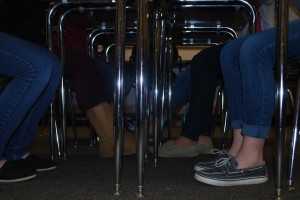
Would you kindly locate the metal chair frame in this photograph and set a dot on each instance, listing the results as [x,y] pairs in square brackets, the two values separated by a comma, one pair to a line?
[63,10]
[295,133]
[141,94]
[280,110]
[96,35]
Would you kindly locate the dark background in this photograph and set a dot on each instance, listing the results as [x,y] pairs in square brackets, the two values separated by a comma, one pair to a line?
[24,18]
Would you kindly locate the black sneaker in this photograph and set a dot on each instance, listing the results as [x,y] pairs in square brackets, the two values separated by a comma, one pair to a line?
[11,172]
[210,164]
[38,163]
[226,174]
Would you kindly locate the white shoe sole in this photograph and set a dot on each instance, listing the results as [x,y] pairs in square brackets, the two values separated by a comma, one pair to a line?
[19,179]
[257,180]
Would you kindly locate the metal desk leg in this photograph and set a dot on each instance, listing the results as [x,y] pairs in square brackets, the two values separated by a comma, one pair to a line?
[294,138]
[169,65]
[159,46]
[280,112]
[119,89]
[141,91]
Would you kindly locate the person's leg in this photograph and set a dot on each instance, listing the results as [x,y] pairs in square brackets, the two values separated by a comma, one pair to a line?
[232,83]
[91,92]
[230,59]
[226,171]
[257,60]
[181,90]
[251,152]
[257,73]
[205,69]
[36,74]
[236,141]
[101,117]
[22,139]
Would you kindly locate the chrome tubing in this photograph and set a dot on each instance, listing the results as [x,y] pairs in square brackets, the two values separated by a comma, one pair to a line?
[49,43]
[159,43]
[218,3]
[91,42]
[63,87]
[119,89]
[169,66]
[76,6]
[51,130]
[141,90]
[294,139]
[280,112]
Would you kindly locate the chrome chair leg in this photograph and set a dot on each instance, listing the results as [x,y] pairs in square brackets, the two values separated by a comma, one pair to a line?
[224,118]
[158,78]
[73,121]
[58,139]
[291,98]
[119,91]
[54,132]
[141,91]
[280,112]
[220,103]
[51,130]
[295,134]
[93,136]
[224,130]
[169,83]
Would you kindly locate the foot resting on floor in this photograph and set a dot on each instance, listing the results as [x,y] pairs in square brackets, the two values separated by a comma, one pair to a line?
[227,173]
[172,149]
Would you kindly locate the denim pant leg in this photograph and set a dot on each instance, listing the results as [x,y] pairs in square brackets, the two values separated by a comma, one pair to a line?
[253,108]
[36,74]
[181,90]
[232,80]
[205,71]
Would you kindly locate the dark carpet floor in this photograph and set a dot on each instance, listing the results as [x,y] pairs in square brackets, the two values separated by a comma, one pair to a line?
[85,175]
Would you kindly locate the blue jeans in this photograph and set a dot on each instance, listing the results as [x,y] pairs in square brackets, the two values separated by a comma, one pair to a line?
[35,74]
[181,90]
[248,70]
[205,73]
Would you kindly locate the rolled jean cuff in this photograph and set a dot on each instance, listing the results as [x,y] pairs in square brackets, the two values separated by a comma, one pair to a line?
[236,124]
[256,131]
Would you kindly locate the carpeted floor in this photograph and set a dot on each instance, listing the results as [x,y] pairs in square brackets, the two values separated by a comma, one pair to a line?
[85,175]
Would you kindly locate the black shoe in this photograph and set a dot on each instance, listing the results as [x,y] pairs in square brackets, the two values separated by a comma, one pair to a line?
[211,164]
[11,172]
[38,163]
[226,174]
